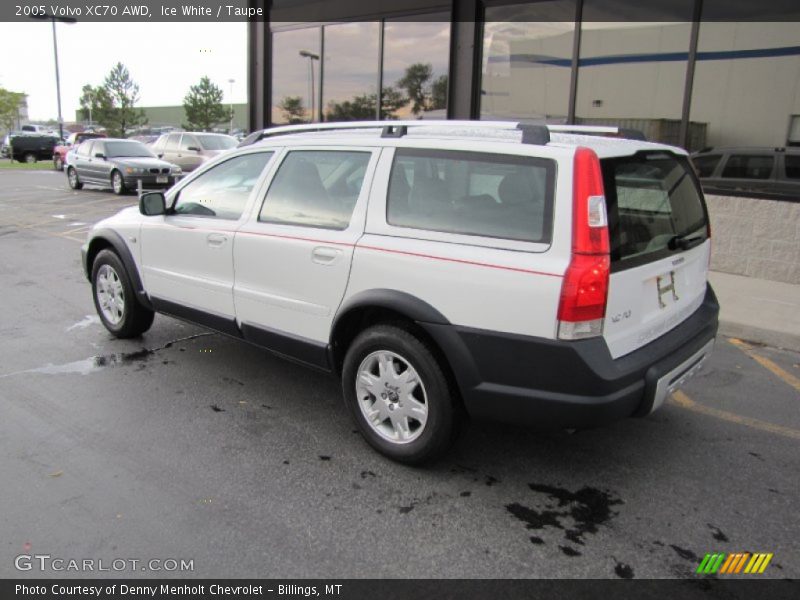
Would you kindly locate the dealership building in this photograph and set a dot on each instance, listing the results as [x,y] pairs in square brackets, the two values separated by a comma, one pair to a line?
[691,72]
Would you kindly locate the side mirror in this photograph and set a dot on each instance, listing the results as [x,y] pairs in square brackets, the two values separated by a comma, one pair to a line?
[99,155]
[152,204]
[193,149]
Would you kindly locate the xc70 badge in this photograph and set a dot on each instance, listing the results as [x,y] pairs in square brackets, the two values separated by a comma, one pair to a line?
[665,285]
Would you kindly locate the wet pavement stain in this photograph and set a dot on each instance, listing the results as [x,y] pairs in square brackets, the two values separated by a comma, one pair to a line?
[490,481]
[365,474]
[569,551]
[717,533]
[684,553]
[216,408]
[588,509]
[623,571]
[97,363]
[324,457]
[536,540]
[465,494]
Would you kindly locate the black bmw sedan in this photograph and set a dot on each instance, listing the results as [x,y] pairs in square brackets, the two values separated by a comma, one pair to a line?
[120,164]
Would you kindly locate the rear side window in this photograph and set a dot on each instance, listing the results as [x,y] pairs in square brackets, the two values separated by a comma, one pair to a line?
[654,201]
[705,165]
[752,166]
[472,193]
[792,166]
[316,188]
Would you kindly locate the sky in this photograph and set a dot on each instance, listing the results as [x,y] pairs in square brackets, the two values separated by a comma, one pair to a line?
[163,58]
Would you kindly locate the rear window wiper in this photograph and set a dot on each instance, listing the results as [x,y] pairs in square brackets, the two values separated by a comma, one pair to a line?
[684,243]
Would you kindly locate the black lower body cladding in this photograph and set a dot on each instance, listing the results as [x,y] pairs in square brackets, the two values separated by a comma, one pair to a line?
[551,384]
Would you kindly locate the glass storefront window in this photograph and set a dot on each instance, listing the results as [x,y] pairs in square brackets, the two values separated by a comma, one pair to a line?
[416,56]
[350,71]
[295,75]
[633,73]
[527,59]
[746,82]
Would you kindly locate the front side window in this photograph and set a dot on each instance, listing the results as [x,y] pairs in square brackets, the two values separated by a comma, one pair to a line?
[84,148]
[159,144]
[172,142]
[222,191]
[188,141]
[98,148]
[471,193]
[316,188]
[748,167]
[210,141]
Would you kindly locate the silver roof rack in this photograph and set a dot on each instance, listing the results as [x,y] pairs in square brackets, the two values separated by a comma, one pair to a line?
[590,129]
[531,133]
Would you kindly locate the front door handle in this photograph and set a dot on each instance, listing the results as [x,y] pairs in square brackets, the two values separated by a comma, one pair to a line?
[325,255]
[216,239]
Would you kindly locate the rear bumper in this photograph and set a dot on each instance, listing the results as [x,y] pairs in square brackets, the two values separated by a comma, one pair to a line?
[550,384]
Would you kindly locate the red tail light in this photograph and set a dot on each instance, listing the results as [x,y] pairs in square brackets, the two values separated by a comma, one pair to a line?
[584,291]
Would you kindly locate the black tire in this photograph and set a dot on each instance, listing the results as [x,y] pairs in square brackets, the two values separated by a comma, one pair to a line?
[72,179]
[443,417]
[30,158]
[117,183]
[136,319]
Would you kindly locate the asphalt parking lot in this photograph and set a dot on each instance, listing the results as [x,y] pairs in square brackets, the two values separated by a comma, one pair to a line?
[185,444]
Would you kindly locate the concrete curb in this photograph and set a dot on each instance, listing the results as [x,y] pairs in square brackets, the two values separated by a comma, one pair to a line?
[748,333]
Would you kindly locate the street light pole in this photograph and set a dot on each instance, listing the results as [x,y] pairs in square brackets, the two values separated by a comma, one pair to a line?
[69,21]
[91,101]
[230,101]
[58,83]
[311,58]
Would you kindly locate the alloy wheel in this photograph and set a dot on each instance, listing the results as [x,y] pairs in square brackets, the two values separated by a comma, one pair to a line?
[392,397]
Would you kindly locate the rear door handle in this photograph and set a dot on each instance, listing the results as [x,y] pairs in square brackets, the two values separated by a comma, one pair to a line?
[216,239]
[325,255]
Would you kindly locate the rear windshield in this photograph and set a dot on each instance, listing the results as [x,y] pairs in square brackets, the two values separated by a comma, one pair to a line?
[655,207]
[472,193]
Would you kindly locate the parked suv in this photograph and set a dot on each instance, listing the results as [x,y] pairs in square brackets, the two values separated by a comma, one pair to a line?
[526,274]
[190,149]
[767,172]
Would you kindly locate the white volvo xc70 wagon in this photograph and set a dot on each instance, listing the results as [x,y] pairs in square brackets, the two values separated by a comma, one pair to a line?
[546,276]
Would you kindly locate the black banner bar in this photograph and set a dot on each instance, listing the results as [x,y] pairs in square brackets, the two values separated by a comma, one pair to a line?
[359,10]
[397,589]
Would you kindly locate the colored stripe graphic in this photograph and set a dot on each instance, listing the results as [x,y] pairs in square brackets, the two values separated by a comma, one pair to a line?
[722,563]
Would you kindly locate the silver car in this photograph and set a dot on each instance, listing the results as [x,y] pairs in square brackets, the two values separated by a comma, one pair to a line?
[190,149]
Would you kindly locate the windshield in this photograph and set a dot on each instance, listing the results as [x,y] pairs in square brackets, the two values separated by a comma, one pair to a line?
[130,148]
[216,142]
[653,199]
